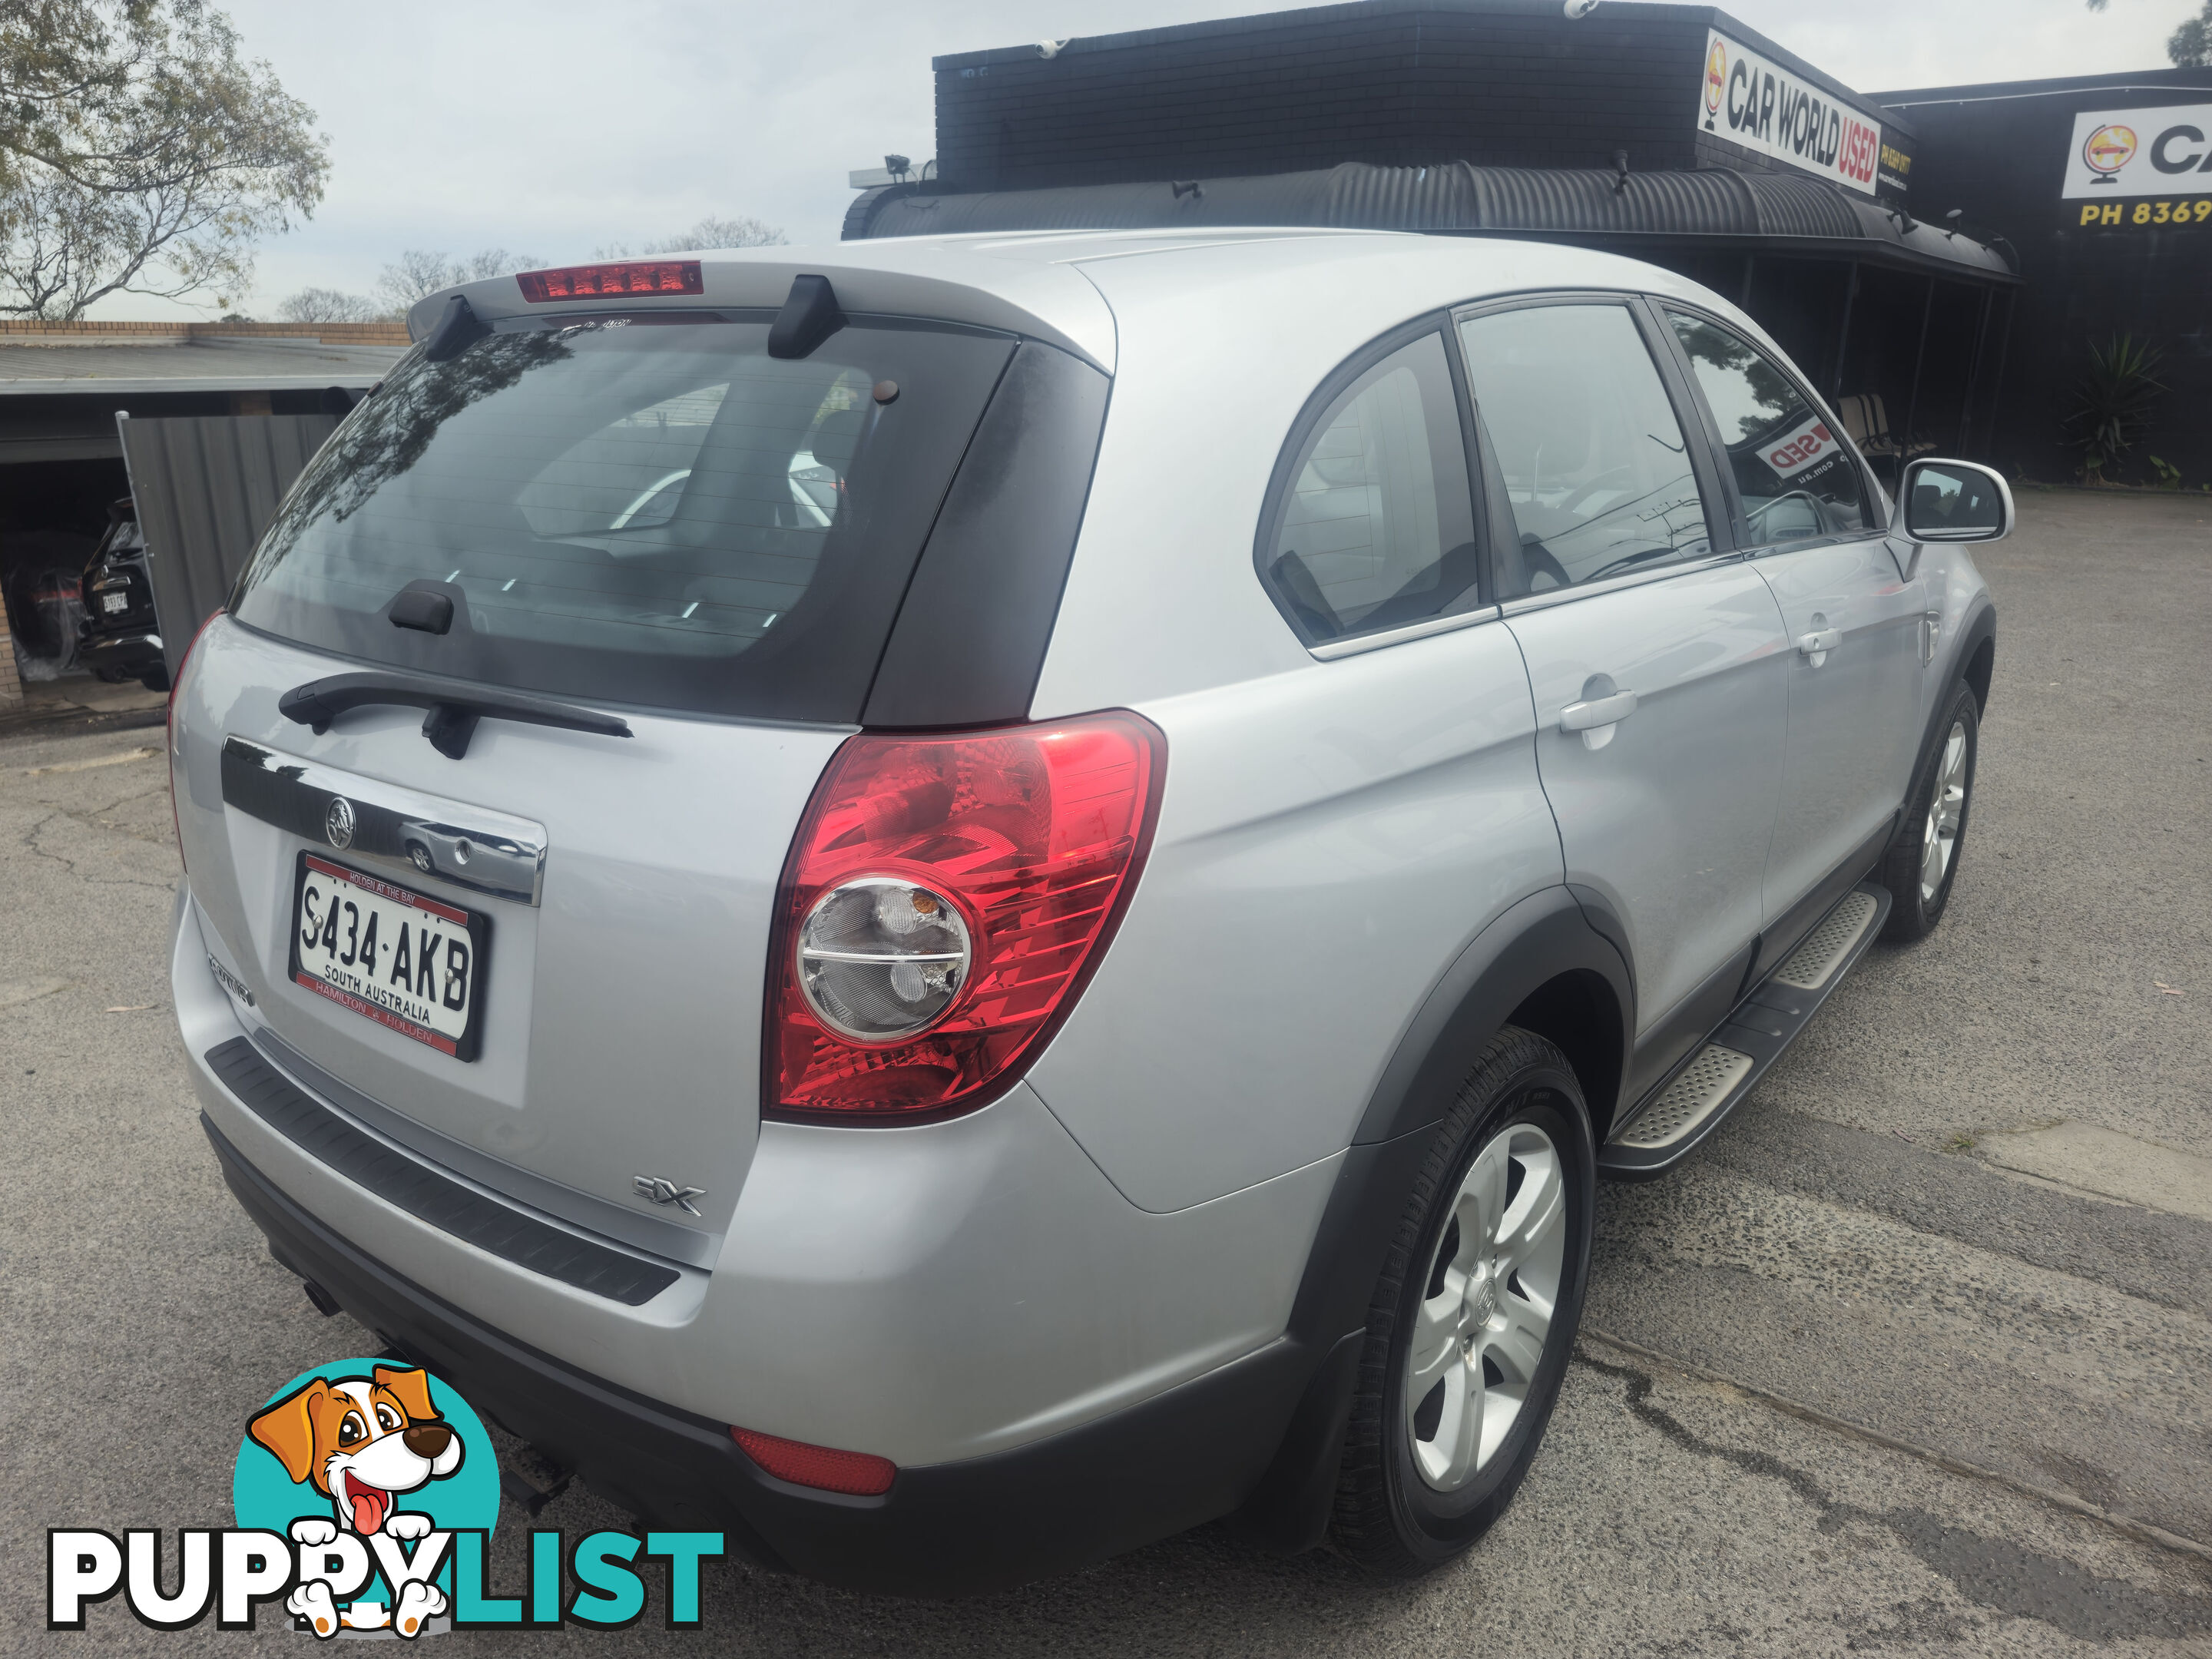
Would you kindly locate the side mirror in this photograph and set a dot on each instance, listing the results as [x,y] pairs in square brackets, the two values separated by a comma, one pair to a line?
[1955,501]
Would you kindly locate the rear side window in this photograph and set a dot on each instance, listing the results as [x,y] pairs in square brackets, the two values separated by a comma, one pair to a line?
[1376,528]
[1595,465]
[1794,476]
[649,511]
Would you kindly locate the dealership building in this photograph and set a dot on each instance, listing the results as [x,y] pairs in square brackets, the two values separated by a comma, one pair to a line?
[1938,261]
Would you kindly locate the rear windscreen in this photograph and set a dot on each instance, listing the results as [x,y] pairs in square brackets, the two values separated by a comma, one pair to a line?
[646,510]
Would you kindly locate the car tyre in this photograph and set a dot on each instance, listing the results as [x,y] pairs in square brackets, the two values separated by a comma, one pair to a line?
[1922,861]
[1482,1284]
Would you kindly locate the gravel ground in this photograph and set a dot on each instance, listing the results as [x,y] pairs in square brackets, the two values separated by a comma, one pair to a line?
[1847,1384]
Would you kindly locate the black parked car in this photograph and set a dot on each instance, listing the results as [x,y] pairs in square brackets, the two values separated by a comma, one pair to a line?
[119,638]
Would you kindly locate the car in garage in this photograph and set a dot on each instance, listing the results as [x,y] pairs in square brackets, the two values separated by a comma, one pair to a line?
[119,637]
[1020,994]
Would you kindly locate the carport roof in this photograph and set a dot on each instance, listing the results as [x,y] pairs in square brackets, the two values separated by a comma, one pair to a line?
[69,363]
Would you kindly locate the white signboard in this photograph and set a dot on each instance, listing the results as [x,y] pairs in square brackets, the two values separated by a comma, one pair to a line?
[2140,152]
[1752,101]
[1800,450]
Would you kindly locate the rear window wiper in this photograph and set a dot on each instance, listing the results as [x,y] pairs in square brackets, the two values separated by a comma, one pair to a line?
[454,706]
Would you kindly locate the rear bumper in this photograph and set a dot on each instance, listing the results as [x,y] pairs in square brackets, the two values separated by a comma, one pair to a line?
[126,652]
[1182,1457]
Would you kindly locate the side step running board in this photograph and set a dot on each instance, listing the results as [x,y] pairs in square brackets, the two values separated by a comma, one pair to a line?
[1690,1105]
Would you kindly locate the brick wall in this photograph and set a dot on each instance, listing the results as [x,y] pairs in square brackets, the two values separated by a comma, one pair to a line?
[16,329]
[11,688]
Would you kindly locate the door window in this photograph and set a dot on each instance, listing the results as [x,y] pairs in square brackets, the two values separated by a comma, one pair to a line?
[1595,465]
[1795,476]
[1377,528]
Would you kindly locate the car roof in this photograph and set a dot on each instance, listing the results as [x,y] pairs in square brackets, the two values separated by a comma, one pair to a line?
[1083,290]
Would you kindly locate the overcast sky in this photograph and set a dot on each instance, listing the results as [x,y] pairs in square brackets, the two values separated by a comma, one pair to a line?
[553,128]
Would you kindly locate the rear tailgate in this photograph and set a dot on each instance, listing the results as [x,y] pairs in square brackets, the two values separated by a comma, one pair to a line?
[649,515]
[620,1014]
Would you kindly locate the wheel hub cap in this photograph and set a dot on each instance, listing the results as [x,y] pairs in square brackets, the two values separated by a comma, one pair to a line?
[1486,1311]
[1481,1306]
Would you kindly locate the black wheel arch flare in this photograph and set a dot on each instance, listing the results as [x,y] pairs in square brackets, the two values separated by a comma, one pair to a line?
[1541,954]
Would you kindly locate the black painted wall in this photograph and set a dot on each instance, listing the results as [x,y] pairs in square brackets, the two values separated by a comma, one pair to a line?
[1999,152]
[1394,82]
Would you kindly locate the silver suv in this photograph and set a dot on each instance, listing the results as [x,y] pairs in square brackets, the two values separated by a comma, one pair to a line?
[953,904]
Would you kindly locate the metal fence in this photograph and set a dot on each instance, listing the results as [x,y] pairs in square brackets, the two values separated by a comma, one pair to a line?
[206,487]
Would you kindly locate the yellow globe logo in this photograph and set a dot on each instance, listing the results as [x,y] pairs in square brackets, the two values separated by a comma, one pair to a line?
[1716,78]
[2110,148]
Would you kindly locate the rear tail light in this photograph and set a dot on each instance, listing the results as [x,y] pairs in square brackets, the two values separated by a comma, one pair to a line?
[857,1474]
[176,685]
[944,901]
[629,278]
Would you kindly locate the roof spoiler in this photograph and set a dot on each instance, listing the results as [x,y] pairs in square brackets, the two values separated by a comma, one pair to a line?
[809,316]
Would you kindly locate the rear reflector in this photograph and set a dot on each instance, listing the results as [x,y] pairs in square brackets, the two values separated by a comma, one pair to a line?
[857,1474]
[630,278]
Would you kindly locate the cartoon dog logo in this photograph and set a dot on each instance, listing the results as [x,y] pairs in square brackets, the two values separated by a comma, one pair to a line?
[361,1444]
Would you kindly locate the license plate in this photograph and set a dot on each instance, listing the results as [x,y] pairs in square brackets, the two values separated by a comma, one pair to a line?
[115,602]
[412,963]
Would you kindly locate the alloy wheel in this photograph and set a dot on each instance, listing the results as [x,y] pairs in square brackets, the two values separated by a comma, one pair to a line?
[1486,1307]
[1947,813]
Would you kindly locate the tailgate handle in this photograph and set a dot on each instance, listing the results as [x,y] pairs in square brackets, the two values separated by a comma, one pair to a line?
[454,707]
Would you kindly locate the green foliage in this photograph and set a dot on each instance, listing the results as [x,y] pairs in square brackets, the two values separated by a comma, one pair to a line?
[327,305]
[709,233]
[2190,47]
[138,153]
[421,272]
[2113,403]
[2169,475]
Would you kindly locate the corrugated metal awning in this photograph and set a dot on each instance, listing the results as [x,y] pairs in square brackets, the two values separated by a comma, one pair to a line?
[1716,208]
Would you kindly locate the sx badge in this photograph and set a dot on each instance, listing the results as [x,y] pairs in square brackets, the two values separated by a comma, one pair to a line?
[659,1189]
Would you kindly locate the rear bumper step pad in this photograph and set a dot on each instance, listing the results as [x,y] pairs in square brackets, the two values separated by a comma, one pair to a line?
[423,1193]
[1691,1105]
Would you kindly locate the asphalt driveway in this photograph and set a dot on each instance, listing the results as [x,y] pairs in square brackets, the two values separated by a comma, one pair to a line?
[1916,1355]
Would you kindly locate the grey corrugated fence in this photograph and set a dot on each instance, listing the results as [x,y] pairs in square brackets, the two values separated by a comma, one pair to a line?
[206,487]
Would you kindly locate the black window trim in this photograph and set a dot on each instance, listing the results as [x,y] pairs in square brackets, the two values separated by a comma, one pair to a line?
[1285,476]
[1704,462]
[1740,522]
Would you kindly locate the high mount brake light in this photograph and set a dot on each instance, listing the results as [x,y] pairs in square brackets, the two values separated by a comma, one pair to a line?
[1034,833]
[629,278]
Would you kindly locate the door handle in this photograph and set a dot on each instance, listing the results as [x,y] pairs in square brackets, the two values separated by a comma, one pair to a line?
[1820,644]
[1598,711]
[1596,717]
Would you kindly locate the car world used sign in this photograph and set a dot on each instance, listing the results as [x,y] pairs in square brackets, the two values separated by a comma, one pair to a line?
[2140,152]
[1752,101]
